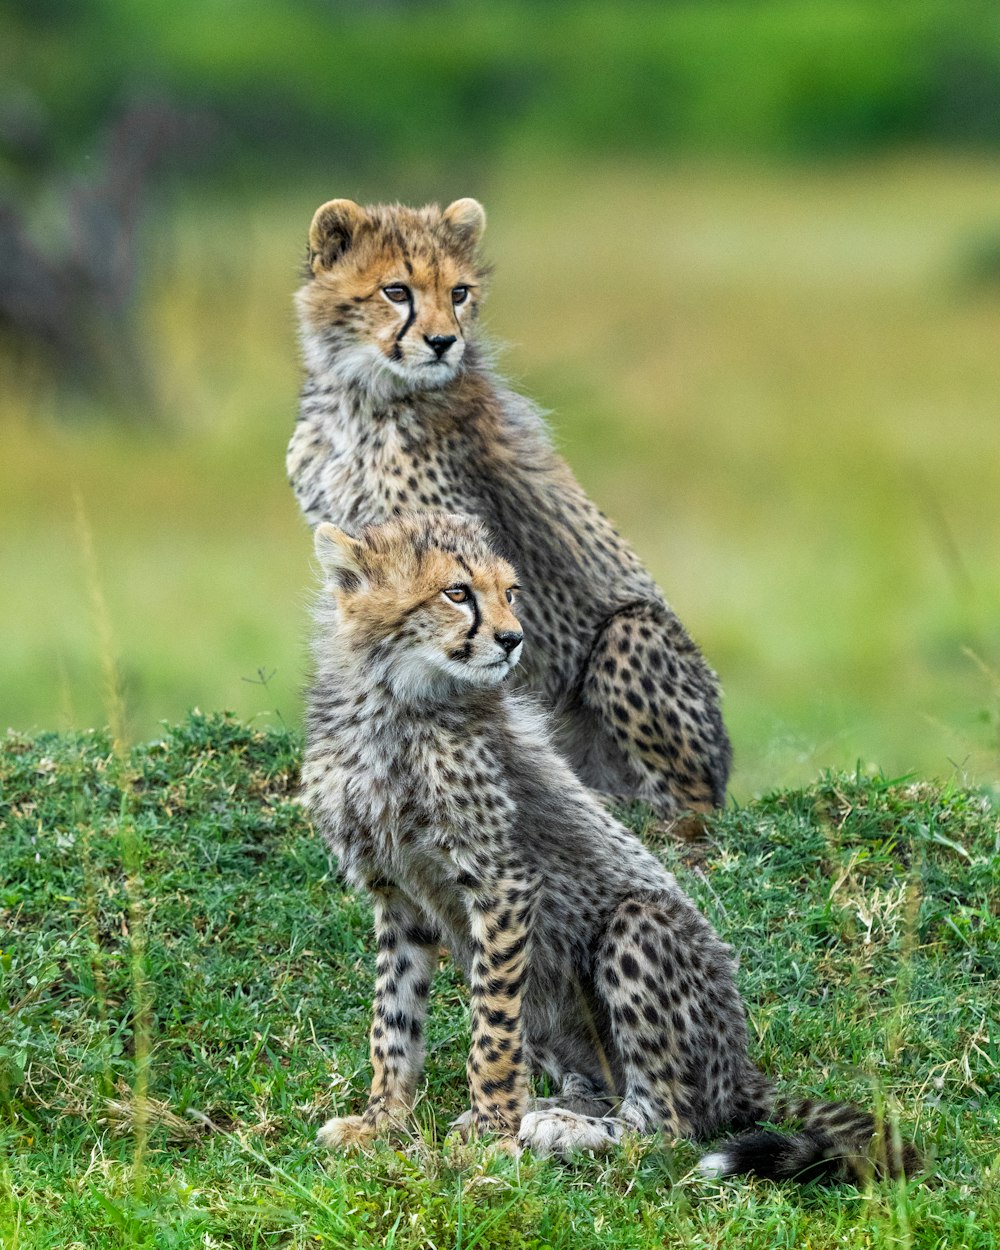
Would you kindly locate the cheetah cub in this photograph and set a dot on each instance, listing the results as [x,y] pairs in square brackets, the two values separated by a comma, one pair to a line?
[401,412]
[442,796]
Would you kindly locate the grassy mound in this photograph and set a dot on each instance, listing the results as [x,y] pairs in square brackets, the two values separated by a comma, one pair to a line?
[184,991]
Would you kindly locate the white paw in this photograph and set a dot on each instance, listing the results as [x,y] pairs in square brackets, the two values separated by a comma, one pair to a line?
[578,1099]
[563,1133]
[346,1133]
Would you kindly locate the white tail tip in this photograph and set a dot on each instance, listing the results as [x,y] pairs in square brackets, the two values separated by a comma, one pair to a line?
[715,1165]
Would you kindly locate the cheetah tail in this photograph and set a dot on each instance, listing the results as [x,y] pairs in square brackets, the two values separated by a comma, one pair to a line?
[833,1141]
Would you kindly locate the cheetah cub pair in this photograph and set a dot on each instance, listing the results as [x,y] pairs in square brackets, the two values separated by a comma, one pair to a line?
[443,796]
[401,412]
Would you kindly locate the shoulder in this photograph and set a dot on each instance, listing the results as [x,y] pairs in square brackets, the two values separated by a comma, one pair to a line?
[526,722]
[535,764]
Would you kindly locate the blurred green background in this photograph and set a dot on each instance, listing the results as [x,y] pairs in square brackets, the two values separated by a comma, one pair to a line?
[748,254]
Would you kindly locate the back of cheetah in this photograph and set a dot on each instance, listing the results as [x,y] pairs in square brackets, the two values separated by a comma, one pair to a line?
[400,412]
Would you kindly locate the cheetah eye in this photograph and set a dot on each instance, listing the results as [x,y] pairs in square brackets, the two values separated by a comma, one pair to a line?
[459,294]
[457,594]
[398,293]
[511,593]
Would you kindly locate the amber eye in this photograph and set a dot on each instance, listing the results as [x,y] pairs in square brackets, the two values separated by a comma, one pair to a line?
[459,294]
[398,294]
[457,594]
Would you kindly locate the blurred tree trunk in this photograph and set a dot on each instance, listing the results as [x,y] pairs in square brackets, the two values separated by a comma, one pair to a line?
[74,305]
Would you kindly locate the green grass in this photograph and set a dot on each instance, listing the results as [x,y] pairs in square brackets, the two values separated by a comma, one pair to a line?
[781,383]
[184,988]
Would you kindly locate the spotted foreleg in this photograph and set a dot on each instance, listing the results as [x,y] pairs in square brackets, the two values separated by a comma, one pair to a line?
[500,920]
[407,952]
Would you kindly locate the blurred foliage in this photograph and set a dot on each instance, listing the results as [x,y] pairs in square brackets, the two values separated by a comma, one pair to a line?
[317,79]
[99,99]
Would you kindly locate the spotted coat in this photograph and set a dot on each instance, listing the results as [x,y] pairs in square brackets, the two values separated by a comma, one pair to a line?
[387,426]
[442,795]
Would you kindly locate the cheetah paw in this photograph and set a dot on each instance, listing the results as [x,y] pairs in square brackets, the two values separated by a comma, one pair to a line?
[564,1133]
[349,1132]
[465,1129]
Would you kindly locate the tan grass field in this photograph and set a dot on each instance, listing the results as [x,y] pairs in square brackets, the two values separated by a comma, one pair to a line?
[783,384]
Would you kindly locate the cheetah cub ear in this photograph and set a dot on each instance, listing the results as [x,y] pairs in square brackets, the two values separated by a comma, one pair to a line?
[333,228]
[467,218]
[340,557]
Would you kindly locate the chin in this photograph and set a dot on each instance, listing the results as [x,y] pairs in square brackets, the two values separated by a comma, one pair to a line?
[423,376]
[488,676]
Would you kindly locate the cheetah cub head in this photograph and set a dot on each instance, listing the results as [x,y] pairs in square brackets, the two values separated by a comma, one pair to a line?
[391,294]
[422,603]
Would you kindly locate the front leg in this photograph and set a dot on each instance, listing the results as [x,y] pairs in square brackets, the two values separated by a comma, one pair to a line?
[407,953]
[500,916]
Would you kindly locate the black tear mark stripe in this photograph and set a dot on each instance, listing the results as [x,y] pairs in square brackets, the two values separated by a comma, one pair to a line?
[397,351]
[409,316]
[477,618]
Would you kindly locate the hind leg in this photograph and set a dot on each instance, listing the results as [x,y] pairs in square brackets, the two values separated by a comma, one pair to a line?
[658,701]
[676,1018]
[677,1033]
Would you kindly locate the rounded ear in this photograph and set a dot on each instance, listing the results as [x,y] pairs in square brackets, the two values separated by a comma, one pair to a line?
[467,218]
[334,225]
[340,557]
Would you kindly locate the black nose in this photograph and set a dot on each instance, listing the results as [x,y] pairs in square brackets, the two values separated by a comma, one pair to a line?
[509,639]
[439,342]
